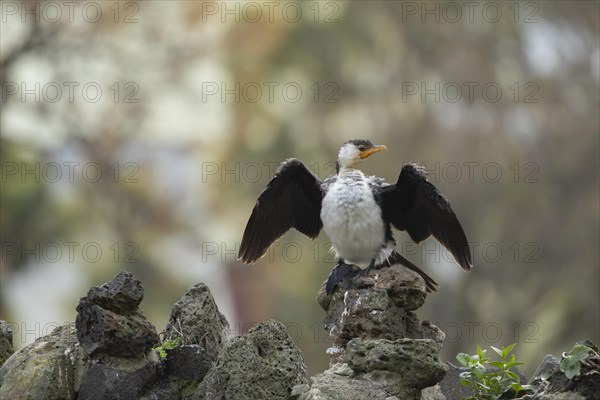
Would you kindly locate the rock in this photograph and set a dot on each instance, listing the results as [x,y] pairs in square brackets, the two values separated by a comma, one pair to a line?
[434,393]
[6,338]
[403,367]
[586,384]
[378,337]
[381,350]
[196,319]
[406,288]
[550,383]
[163,392]
[114,332]
[119,378]
[196,323]
[377,306]
[106,354]
[450,386]
[264,364]
[183,369]
[110,323]
[189,362]
[330,386]
[49,368]
[549,365]
[122,295]
[563,396]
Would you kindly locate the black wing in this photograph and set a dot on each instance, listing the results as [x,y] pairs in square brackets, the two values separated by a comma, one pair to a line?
[291,200]
[413,204]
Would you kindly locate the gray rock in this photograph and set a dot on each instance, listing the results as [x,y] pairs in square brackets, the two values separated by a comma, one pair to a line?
[118,339]
[168,391]
[406,288]
[368,314]
[196,319]
[49,368]
[450,386]
[122,295]
[115,360]
[6,344]
[378,337]
[119,378]
[197,323]
[548,366]
[403,367]
[434,393]
[565,396]
[264,364]
[377,306]
[109,321]
[330,386]
[550,383]
[189,362]
[586,384]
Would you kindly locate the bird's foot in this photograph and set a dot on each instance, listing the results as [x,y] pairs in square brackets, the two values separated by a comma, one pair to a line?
[339,273]
[365,272]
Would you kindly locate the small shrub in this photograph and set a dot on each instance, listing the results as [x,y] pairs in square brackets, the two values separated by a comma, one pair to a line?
[167,344]
[491,380]
[570,363]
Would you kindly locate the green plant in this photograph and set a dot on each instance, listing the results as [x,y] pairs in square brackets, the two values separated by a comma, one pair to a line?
[570,363]
[490,380]
[167,344]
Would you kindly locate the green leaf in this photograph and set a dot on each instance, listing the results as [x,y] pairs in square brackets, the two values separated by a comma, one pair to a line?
[497,364]
[465,382]
[513,376]
[509,365]
[580,352]
[516,386]
[464,359]
[506,350]
[479,369]
[483,386]
[589,344]
[570,367]
[480,352]
[497,350]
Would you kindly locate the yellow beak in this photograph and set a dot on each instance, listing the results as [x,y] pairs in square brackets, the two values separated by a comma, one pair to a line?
[372,150]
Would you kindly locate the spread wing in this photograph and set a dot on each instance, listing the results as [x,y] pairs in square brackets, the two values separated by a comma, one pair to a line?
[291,200]
[414,205]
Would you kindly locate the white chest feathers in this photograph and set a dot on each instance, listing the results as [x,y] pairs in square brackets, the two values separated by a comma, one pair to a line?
[352,220]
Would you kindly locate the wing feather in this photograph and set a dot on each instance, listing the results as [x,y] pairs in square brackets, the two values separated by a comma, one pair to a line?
[291,200]
[414,205]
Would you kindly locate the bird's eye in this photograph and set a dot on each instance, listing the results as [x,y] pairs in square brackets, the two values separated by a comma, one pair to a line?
[361,148]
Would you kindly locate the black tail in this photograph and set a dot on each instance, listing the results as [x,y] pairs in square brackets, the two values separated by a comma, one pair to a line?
[397,258]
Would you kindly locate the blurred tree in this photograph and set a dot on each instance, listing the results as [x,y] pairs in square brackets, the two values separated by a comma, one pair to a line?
[384,70]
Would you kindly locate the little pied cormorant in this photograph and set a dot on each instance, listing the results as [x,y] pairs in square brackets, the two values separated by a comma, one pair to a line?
[356,211]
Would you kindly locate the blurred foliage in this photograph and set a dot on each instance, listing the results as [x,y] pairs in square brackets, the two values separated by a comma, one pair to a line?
[189,158]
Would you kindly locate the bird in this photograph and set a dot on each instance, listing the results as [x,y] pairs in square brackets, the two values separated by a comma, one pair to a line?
[357,212]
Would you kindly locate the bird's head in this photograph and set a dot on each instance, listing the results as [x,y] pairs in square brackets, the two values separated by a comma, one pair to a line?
[353,152]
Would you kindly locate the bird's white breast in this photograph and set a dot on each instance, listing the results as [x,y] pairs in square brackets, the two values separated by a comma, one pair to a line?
[352,219]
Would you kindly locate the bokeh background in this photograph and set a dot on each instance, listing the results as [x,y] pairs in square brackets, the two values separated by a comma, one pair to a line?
[137,135]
